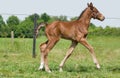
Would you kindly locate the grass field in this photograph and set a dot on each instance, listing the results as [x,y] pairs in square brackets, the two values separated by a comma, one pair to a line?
[16,59]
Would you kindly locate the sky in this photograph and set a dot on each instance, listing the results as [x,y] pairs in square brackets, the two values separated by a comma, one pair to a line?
[70,8]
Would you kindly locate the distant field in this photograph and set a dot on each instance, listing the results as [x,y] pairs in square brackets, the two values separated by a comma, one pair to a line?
[16,59]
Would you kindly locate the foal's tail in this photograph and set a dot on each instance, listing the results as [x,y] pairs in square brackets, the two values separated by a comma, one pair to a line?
[42,24]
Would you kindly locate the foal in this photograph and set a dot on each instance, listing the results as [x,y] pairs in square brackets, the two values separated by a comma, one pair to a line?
[76,31]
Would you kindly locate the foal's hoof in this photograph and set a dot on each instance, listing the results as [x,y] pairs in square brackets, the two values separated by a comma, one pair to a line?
[48,71]
[98,66]
[60,70]
[40,68]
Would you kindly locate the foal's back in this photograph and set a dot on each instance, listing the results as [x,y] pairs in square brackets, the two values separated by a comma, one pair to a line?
[67,30]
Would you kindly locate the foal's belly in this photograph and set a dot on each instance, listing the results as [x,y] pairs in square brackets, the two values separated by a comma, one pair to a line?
[70,37]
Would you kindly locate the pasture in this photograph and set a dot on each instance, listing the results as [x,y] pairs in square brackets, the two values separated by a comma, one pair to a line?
[16,59]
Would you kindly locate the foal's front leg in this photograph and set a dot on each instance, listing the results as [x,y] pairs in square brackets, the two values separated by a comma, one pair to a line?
[90,48]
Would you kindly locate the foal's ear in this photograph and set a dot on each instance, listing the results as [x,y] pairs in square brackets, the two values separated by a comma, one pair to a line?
[90,5]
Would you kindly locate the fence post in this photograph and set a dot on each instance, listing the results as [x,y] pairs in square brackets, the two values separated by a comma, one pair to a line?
[34,37]
[12,37]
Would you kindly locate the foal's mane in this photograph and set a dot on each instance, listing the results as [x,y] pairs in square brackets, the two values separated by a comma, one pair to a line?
[81,14]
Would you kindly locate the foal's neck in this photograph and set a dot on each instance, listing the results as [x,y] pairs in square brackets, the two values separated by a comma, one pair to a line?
[85,18]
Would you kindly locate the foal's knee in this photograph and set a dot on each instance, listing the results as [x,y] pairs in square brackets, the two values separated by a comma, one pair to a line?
[91,49]
[42,47]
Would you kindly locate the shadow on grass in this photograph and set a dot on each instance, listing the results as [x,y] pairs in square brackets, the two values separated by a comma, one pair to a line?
[84,68]
[80,68]
[114,69]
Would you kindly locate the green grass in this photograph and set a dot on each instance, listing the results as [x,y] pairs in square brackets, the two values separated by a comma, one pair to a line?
[16,59]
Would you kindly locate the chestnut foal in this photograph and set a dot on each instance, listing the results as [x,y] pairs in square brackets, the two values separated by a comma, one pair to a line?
[76,31]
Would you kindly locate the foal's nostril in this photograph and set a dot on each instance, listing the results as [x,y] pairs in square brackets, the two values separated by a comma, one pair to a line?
[103,18]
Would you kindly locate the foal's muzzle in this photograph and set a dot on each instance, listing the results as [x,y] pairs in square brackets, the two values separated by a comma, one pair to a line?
[101,17]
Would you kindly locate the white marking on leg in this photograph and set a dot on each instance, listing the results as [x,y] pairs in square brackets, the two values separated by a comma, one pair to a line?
[41,66]
[98,66]
[42,62]
[96,62]
[61,70]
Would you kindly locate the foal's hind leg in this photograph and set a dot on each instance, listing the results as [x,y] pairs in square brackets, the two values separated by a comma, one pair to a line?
[90,48]
[49,46]
[42,48]
[69,52]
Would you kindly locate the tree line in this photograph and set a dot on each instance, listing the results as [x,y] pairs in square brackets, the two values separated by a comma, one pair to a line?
[25,27]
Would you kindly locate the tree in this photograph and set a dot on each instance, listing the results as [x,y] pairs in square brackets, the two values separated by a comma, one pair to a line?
[63,18]
[107,31]
[45,17]
[12,22]
[2,23]
[32,17]
[4,31]
[73,18]
[92,26]
[25,29]
[3,28]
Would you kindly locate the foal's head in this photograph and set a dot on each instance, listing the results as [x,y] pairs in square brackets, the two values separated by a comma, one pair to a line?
[95,13]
